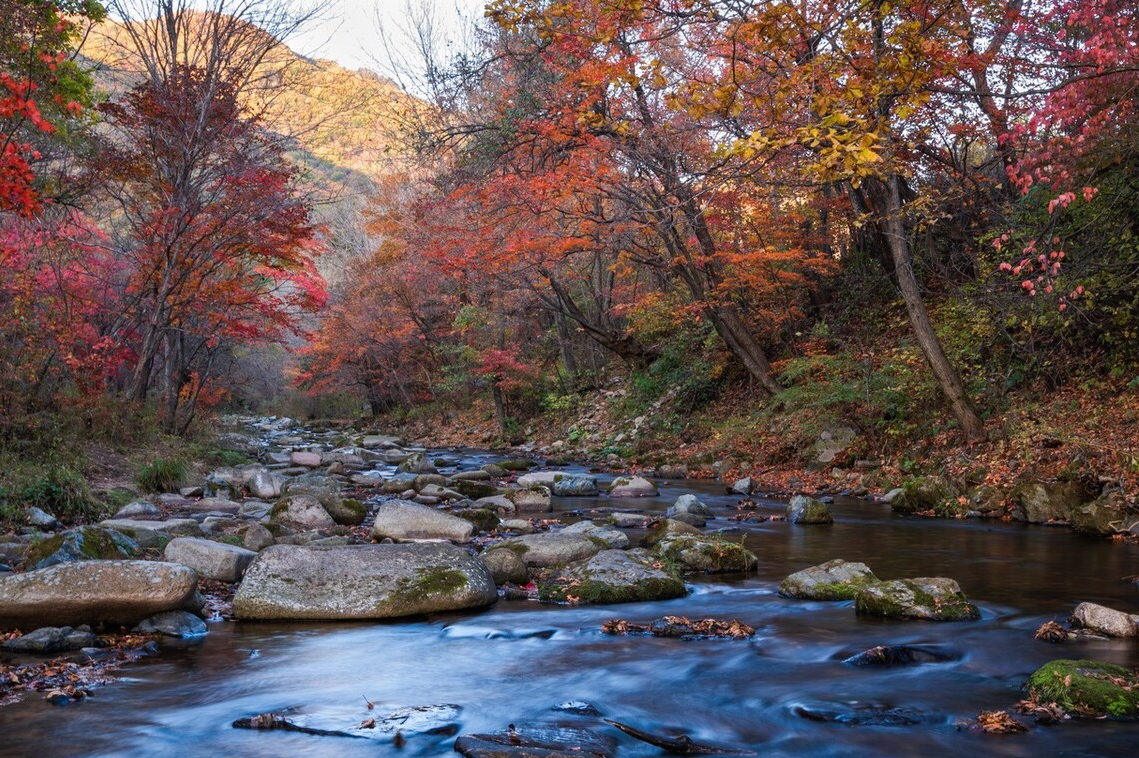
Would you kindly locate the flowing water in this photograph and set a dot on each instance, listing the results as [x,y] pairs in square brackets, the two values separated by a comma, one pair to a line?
[517,661]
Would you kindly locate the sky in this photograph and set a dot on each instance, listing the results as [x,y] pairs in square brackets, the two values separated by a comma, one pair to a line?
[349,30]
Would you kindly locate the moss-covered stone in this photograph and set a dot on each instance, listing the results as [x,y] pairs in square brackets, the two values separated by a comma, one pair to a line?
[928,598]
[612,576]
[833,580]
[1087,688]
[712,555]
[82,544]
[474,489]
[428,582]
[922,493]
[520,464]
[484,519]
[1047,502]
[347,512]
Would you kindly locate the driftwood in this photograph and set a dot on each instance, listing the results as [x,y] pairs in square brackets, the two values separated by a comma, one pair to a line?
[682,745]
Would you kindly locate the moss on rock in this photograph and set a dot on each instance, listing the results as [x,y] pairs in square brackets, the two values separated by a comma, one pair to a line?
[928,598]
[712,555]
[1087,688]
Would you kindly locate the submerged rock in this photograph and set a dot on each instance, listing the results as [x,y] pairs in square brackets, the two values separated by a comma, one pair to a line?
[612,576]
[173,624]
[51,639]
[928,598]
[902,655]
[833,580]
[1087,688]
[362,582]
[805,510]
[540,741]
[690,510]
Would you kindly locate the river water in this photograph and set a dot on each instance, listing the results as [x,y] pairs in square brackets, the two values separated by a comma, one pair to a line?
[517,661]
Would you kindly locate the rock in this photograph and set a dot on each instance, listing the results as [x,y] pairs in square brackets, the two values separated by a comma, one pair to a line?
[672,471]
[39,518]
[903,655]
[520,525]
[744,486]
[1108,514]
[535,478]
[690,510]
[442,494]
[922,493]
[83,543]
[832,442]
[612,576]
[534,499]
[500,504]
[551,548]
[153,533]
[632,486]
[708,553]
[1047,502]
[833,580]
[474,475]
[506,566]
[306,459]
[628,520]
[403,520]
[139,509]
[324,488]
[1087,688]
[614,538]
[91,592]
[264,484]
[346,511]
[668,528]
[518,464]
[861,714]
[373,441]
[362,582]
[929,598]
[173,624]
[301,512]
[806,510]
[256,537]
[212,560]
[575,485]
[495,471]
[484,519]
[236,442]
[215,505]
[423,481]
[474,489]
[537,742]
[51,639]
[417,463]
[1103,620]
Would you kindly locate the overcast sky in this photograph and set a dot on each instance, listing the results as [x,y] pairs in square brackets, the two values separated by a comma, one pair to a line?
[350,30]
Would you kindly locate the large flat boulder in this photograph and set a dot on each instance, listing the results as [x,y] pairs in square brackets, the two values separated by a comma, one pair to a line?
[613,576]
[833,580]
[362,582]
[212,560]
[404,520]
[935,598]
[92,592]
[551,548]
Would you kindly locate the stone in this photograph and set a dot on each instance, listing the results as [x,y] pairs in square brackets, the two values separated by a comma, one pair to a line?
[520,525]
[806,510]
[306,459]
[690,510]
[212,560]
[533,499]
[417,463]
[744,486]
[500,504]
[346,511]
[51,639]
[832,442]
[632,486]
[373,441]
[91,592]
[153,533]
[1108,514]
[708,553]
[484,519]
[612,576]
[1047,502]
[628,520]
[301,512]
[214,505]
[403,520]
[1087,688]
[264,484]
[506,566]
[83,543]
[138,509]
[179,624]
[362,582]
[614,538]
[834,580]
[575,485]
[668,528]
[922,493]
[474,489]
[535,478]
[539,741]
[928,598]
[474,475]
[256,537]
[39,518]
[1104,620]
[672,471]
[551,548]
[324,488]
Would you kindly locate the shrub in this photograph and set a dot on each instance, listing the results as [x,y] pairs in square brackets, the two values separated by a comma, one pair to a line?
[162,475]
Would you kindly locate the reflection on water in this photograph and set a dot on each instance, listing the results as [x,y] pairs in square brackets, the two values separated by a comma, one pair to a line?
[515,662]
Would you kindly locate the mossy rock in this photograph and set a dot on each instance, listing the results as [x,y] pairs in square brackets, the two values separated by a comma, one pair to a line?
[428,582]
[520,464]
[474,489]
[1087,688]
[927,598]
[833,580]
[346,512]
[668,529]
[612,576]
[1102,517]
[922,493]
[83,544]
[484,519]
[712,555]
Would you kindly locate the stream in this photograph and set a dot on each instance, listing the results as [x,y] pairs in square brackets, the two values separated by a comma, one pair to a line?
[785,692]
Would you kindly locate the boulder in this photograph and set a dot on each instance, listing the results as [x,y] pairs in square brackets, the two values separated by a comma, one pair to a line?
[1047,502]
[708,553]
[264,484]
[832,442]
[575,485]
[672,471]
[473,475]
[690,510]
[535,478]
[139,509]
[362,582]
[614,538]
[346,511]
[1108,514]
[612,576]
[744,486]
[305,458]
[929,598]
[506,566]
[373,441]
[91,592]
[1087,688]
[153,533]
[301,512]
[632,486]
[520,525]
[39,518]
[833,580]
[214,505]
[533,499]
[484,519]
[1106,621]
[212,560]
[922,493]
[403,520]
[538,741]
[417,463]
[473,488]
[173,624]
[51,639]
[500,504]
[256,537]
[806,510]
[631,520]
[668,528]
[83,543]
[551,548]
